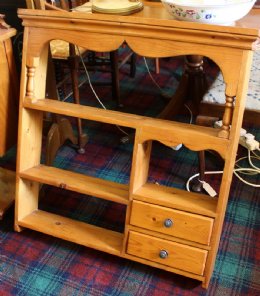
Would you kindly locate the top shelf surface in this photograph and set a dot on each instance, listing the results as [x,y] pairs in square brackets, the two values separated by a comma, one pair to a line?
[155,13]
[152,21]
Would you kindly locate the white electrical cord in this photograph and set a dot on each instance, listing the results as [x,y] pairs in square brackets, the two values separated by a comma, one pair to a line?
[250,161]
[243,180]
[196,175]
[164,94]
[244,173]
[92,88]
[162,91]
[191,115]
[254,170]
[256,155]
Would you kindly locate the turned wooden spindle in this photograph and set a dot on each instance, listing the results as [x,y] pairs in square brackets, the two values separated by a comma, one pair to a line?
[32,65]
[30,81]
[194,63]
[227,117]
[197,83]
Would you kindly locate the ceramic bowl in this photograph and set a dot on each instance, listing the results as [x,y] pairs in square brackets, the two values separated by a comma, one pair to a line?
[219,12]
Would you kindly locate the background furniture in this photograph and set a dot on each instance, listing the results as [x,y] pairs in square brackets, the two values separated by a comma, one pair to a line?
[8,113]
[213,100]
[165,227]
[65,53]
[9,9]
[8,92]
[60,50]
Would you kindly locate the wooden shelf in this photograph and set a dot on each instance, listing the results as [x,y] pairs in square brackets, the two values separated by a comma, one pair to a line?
[74,231]
[177,199]
[168,132]
[87,185]
[84,112]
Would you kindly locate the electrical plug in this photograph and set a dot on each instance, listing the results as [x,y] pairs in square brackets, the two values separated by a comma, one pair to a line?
[218,124]
[177,147]
[249,142]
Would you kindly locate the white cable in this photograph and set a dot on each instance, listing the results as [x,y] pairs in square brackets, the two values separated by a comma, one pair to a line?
[162,91]
[89,81]
[151,76]
[253,170]
[243,180]
[191,115]
[93,90]
[256,155]
[250,162]
[220,172]
[242,158]
[196,175]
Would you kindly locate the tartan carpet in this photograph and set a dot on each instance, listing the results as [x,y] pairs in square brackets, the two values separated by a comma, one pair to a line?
[35,264]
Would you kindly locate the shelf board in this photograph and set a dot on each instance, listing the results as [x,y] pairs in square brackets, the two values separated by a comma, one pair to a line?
[78,182]
[168,132]
[178,199]
[84,112]
[75,231]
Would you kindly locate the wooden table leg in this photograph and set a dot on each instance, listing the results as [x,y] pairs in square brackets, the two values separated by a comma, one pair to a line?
[191,89]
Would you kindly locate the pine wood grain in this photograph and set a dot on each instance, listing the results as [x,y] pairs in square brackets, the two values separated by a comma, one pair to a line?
[150,33]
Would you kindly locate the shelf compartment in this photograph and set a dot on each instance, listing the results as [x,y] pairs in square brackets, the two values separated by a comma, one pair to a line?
[168,132]
[78,182]
[177,199]
[74,231]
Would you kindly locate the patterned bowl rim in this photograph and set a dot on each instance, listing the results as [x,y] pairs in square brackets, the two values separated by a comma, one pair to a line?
[193,5]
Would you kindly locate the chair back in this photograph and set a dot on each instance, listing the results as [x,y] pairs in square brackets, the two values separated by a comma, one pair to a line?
[35,4]
[46,4]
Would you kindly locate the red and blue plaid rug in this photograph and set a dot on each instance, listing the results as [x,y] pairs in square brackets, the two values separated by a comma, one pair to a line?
[34,264]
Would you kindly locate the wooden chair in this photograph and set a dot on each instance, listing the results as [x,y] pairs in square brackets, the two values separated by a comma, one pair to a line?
[60,50]
[61,129]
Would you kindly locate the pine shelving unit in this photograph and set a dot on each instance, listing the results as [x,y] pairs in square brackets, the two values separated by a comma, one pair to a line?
[165,227]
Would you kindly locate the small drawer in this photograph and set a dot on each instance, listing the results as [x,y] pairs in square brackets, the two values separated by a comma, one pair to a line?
[172,254]
[176,223]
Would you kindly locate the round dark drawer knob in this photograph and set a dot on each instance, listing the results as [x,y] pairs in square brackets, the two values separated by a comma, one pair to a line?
[163,254]
[168,223]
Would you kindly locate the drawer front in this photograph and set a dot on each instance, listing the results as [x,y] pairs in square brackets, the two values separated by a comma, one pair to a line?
[176,223]
[172,254]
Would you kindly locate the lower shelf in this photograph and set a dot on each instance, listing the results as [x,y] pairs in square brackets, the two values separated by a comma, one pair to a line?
[74,231]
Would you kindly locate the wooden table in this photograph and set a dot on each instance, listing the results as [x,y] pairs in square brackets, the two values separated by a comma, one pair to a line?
[165,227]
[8,92]
[8,114]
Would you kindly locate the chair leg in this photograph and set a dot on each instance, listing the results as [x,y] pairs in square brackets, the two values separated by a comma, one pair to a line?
[74,70]
[197,185]
[115,76]
[133,65]
[157,65]
[203,121]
